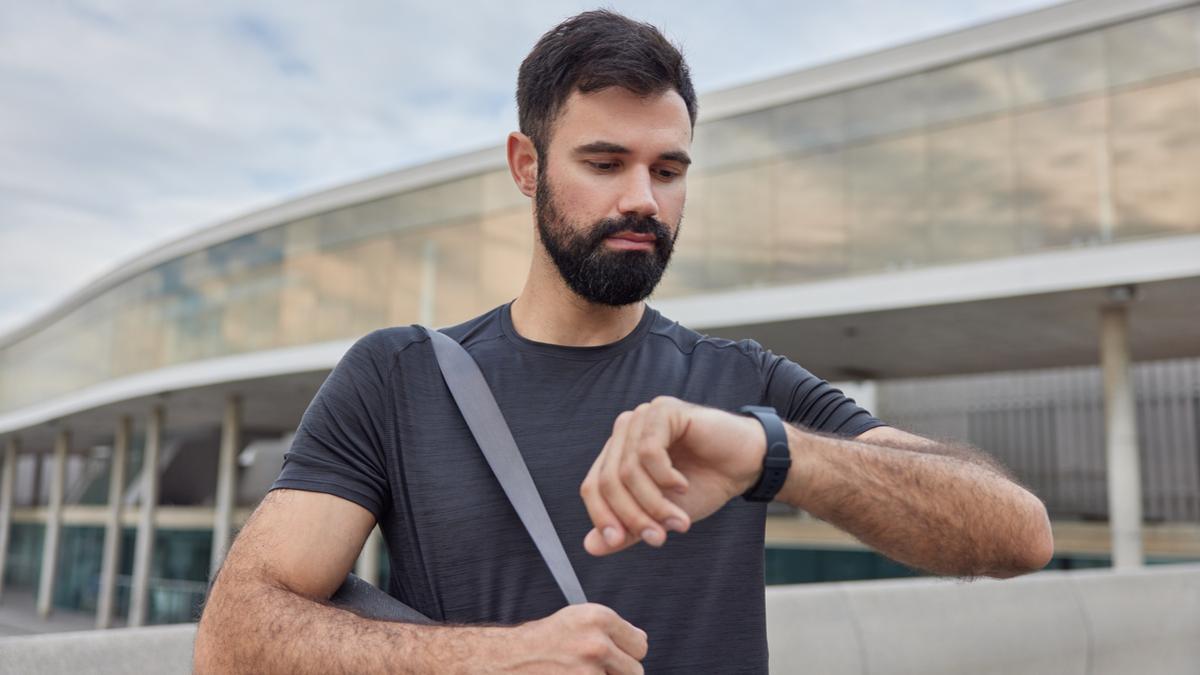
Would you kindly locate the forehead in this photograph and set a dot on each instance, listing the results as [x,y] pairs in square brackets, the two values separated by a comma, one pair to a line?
[620,116]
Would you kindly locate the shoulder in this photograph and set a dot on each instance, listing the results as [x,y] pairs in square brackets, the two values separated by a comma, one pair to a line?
[384,344]
[692,342]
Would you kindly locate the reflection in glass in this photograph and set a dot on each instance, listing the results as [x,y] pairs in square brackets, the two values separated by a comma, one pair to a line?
[1156,158]
[889,221]
[812,225]
[1063,191]
[971,183]
[967,89]
[741,227]
[812,124]
[886,107]
[1057,69]
[1159,45]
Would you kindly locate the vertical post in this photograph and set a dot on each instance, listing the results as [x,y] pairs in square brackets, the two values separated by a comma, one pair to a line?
[111,560]
[231,432]
[1121,442]
[367,566]
[143,553]
[428,294]
[58,471]
[7,487]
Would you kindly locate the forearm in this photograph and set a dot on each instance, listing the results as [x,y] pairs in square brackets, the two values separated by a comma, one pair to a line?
[931,510]
[271,630]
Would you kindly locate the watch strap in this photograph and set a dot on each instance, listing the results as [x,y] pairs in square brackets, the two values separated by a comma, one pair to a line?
[776,461]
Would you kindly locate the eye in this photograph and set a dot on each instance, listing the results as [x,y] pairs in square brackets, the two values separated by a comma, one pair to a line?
[603,166]
[668,174]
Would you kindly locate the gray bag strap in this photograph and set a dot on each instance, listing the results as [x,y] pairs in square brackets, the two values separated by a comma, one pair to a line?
[474,398]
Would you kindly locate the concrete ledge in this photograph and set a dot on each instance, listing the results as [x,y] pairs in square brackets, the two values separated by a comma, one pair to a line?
[1062,623]
[121,651]
[1087,622]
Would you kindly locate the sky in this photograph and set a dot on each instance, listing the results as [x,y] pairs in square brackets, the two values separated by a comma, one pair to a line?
[124,125]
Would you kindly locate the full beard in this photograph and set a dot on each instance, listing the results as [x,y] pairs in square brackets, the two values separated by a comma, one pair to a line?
[590,268]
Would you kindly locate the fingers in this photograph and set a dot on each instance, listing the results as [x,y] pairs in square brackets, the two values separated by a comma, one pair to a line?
[630,639]
[624,490]
[609,535]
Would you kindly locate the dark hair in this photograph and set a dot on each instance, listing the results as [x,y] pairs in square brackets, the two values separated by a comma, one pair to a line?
[593,51]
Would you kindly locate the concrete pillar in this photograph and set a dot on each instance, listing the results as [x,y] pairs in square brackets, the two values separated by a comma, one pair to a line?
[143,553]
[58,473]
[111,561]
[7,487]
[427,300]
[1121,441]
[231,441]
[367,566]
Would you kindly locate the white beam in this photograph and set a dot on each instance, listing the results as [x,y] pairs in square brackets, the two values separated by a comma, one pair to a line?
[58,470]
[1121,442]
[143,554]
[111,560]
[231,433]
[367,566]
[7,487]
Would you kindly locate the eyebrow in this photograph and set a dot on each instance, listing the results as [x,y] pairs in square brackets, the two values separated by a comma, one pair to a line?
[615,149]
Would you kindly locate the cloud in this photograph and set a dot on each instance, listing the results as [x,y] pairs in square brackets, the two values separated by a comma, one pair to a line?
[127,124]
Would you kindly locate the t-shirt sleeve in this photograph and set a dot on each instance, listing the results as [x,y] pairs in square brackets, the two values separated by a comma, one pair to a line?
[809,401]
[344,435]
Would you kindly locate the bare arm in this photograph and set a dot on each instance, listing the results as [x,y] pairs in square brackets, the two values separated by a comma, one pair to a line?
[268,611]
[944,508]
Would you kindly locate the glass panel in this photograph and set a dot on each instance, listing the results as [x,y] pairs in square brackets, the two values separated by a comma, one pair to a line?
[740,218]
[506,238]
[973,88]
[889,224]
[971,187]
[1156,151]
[688,271]
[734,140]
[1152,47]
[457,253]
[1062,177]
[1054,70]
[810,125]
[812,239]
[887,107]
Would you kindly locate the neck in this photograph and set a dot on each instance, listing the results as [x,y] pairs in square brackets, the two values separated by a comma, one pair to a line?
[548,311]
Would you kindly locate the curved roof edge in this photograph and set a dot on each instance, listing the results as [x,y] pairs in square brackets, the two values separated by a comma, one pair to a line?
[1145,261]
[250,366]
[923,54]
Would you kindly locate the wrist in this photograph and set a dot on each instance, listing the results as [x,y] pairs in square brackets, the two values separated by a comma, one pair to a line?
[797,490]
[753,452]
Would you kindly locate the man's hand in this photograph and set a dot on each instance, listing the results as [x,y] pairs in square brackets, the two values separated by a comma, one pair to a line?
[667,464]
[586,638]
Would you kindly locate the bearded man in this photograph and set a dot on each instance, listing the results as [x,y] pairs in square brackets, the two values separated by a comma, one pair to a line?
[627,421]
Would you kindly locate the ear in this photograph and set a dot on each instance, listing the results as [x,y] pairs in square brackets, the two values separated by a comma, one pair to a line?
[523,163]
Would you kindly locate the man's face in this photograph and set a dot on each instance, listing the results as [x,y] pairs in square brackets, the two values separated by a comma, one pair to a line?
[610,192]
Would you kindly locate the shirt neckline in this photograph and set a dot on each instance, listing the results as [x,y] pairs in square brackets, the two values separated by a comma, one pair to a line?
[593,353]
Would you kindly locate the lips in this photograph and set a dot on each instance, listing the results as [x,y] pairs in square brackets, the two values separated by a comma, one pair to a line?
[634,236]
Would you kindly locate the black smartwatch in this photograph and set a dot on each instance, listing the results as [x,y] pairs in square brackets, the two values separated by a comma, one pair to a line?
[778,459]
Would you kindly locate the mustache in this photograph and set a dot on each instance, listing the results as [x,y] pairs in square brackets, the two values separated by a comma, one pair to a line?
[630,223]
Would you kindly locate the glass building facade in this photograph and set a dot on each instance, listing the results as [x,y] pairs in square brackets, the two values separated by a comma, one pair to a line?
[1080,140]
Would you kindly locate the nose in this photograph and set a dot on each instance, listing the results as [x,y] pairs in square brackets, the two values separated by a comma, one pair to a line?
[637,196]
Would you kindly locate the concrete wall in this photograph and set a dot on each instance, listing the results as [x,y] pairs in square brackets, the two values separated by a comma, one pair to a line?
[1094,622]
[1089,622]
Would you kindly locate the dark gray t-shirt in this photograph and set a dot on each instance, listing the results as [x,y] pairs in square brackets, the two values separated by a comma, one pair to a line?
[384,432]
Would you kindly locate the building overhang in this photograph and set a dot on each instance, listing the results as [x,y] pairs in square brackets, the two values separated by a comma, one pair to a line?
[1033,311]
